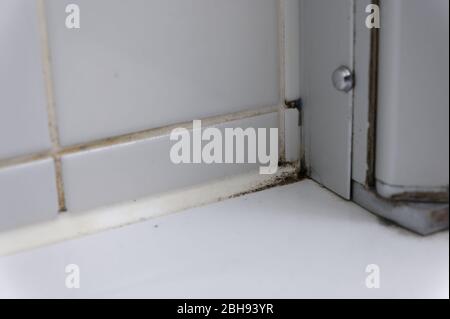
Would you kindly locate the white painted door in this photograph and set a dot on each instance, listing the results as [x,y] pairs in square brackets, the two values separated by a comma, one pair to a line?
[327,37]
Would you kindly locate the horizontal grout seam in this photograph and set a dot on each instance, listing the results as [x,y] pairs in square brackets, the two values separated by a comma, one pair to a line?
[134,137]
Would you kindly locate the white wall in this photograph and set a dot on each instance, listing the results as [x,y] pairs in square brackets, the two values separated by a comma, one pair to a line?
[148,64]
[27,190]
[86,113]
[23,115]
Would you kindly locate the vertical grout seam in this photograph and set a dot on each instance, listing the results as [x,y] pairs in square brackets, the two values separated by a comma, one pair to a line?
[282,77]
[51,110]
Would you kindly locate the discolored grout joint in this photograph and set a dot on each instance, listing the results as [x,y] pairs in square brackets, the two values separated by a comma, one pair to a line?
[60,184]
[24,159]
[282,77]
[60,151]
[165,130]
[51,109]
[281,180]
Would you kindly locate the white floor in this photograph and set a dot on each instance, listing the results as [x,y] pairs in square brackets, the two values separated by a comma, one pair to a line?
[294,241]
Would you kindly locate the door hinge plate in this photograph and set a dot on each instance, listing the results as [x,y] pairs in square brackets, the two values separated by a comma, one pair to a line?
[297,104]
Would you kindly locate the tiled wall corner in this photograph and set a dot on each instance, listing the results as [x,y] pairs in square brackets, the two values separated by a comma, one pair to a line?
[23,115]
[141,168]
[27,194]
[159,63]
[115,84]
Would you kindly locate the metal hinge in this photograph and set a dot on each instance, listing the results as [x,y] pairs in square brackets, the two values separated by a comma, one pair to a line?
[297,104]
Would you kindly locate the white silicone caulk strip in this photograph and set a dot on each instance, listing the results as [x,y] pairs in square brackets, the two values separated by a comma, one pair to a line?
[69,226]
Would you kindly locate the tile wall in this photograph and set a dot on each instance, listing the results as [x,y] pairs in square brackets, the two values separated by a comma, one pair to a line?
[85,114]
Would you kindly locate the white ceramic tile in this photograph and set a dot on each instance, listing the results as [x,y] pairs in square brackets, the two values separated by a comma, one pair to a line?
[292,135]
[292,49]
[27,194]
[142,64]
[136,169]
[23,117]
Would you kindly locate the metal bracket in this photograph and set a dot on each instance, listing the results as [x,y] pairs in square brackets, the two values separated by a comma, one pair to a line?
[297,104]
[422,218]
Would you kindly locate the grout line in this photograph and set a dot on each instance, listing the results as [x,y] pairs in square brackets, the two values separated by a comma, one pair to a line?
[60,184]
[51,109]
[133,137]
[282,79]
[24,159]
[52,125]
[162,131]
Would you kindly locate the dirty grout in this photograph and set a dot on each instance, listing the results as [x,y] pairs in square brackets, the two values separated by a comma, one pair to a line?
[51,109]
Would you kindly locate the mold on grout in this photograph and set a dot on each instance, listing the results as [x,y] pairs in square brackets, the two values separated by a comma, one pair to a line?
[59,184]
[280,180]
[51,109]
[71,226]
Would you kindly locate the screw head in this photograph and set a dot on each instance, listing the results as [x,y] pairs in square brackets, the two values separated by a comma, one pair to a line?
[343,79]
